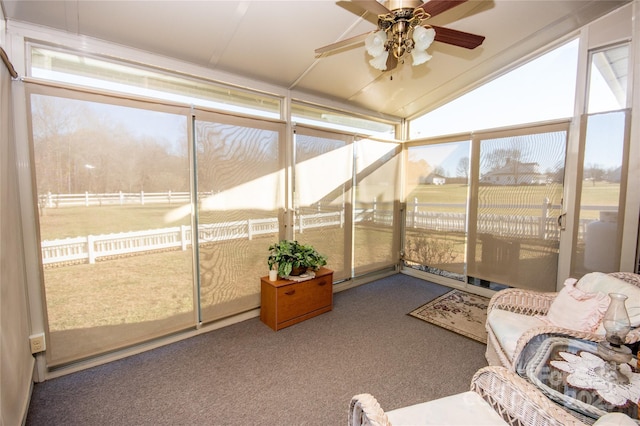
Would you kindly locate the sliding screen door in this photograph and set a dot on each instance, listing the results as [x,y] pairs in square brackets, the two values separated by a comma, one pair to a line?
[117,264]
[597,240]
[513,233]
[376,231]
[323,181]
[240,191]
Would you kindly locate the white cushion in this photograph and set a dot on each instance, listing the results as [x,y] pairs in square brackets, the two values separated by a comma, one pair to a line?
[509,326]
[467,408]
[597,281]
[615,419]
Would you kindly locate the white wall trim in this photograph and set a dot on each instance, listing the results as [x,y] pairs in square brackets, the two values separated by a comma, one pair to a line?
[628,254]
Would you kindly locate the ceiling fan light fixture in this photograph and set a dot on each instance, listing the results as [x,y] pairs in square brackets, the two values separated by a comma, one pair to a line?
[380,62]
[375,43]
[419,57]
[423,37]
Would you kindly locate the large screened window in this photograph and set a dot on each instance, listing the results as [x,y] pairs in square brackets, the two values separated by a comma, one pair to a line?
[540,90]
[117,267]
[509,233]
[303,113]
[322,195]
[241,190]
[514,238]
[602,179]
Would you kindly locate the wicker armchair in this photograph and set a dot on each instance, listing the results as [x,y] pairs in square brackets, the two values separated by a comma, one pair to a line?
[530,303]
[495,389]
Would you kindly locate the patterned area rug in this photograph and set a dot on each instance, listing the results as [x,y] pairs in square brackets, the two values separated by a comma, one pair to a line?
[461,312]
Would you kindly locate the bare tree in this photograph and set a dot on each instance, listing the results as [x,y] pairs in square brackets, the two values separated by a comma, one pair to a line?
[440,171]
[594,172]
[78,148]
[499,158]
[53,124]
[463,168]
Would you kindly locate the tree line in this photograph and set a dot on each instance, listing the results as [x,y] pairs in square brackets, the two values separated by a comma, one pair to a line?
[77,148]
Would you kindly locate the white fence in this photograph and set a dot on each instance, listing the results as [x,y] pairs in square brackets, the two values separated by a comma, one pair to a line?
[499,225]
[89,248]
[541,226]
[117,198]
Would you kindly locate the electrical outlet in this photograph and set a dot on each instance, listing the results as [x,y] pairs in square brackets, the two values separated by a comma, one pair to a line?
[37,343]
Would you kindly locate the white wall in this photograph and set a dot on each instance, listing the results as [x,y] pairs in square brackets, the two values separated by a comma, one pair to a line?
[16,361]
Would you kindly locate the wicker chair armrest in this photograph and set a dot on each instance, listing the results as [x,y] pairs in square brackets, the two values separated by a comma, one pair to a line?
[633,336]
[629,277]
[518,401]
[364,410]
[525,302]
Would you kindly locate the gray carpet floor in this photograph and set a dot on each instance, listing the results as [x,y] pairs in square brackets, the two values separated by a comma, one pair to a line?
[247,374]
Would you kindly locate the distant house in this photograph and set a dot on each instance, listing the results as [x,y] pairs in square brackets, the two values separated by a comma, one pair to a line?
[515,173]
[435,179]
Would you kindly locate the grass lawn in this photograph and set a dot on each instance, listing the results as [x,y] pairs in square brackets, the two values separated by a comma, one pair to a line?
[92,295]
[598,194]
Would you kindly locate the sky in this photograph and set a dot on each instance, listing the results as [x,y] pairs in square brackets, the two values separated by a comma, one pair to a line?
[541,90]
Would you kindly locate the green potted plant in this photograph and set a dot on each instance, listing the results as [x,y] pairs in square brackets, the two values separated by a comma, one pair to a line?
[293,258]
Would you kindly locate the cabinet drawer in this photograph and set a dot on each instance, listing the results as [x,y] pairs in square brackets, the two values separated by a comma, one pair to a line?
[304,297]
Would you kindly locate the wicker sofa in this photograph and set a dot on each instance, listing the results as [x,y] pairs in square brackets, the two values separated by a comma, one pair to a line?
[497,397]
[514,316]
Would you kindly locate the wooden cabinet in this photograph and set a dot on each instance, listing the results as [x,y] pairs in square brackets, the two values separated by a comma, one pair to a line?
[285,302]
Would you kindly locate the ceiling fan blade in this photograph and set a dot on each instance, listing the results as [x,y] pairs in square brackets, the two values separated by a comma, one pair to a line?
[347,42]
[372,6]
[457,38]
[354,8]
[436,7]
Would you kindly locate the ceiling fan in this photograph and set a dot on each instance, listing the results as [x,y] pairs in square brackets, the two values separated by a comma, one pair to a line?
[401,32]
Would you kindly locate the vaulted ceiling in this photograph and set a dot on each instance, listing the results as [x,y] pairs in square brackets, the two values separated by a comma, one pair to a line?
[274,41]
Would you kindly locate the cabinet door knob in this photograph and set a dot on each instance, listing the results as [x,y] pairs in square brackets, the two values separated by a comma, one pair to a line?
[322,282]
[290,292]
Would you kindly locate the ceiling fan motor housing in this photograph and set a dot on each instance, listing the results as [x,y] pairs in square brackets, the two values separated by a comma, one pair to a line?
[399,25]
[402,4]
